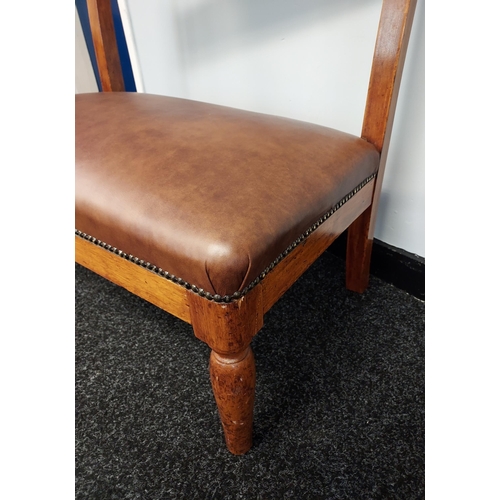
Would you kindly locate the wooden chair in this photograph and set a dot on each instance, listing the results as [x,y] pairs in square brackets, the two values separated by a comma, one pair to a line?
[212,213]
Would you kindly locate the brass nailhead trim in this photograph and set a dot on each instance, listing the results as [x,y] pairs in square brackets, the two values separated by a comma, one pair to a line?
[236,295]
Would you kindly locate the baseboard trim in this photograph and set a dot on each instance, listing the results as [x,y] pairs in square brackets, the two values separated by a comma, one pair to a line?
[393,265]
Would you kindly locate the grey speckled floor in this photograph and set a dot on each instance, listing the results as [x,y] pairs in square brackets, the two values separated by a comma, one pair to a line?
[340,398]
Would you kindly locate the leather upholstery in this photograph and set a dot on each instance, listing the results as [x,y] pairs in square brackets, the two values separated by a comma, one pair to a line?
[208,193]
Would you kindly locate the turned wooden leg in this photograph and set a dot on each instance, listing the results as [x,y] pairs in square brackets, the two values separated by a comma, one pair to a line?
[228,329]
[359,252]
[233,383]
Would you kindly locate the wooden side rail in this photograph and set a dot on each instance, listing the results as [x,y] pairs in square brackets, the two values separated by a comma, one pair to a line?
[140,281]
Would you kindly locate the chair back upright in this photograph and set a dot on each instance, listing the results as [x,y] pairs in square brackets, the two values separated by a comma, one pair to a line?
[105,45]
[393,35]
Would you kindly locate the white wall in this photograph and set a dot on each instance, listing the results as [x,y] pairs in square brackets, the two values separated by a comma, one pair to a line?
[304,59]
[84,74]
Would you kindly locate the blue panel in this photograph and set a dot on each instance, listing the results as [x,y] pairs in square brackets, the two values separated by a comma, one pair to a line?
[81,7]
[128,75]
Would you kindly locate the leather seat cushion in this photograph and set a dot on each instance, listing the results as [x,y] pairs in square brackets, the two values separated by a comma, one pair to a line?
[208,193]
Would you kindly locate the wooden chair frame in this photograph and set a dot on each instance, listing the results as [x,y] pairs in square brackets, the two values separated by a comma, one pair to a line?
[228,328]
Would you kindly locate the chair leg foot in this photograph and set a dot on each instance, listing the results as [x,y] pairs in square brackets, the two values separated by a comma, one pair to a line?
[359,252]
[233,383]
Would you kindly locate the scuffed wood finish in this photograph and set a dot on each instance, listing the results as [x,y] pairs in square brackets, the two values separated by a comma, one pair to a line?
[387,68]
[105,46]
[228,329]
[159,291]
[233,384]
[282,277]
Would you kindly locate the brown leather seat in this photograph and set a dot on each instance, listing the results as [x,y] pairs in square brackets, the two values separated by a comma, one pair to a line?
[212,195]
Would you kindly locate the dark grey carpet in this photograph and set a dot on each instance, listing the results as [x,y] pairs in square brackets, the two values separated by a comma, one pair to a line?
[339,410]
